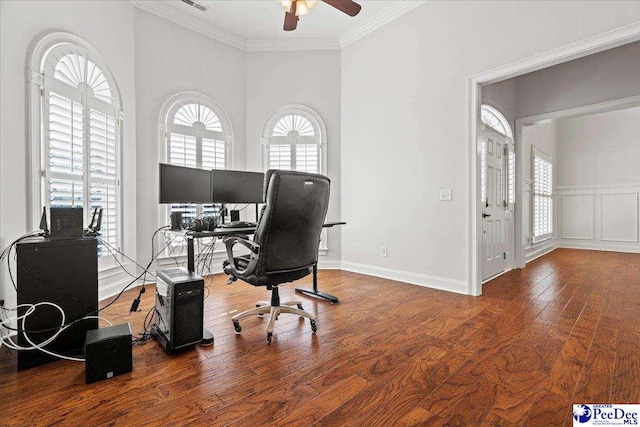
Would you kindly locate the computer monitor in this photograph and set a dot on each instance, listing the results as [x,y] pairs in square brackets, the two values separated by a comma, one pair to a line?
[237,186]
[179,184]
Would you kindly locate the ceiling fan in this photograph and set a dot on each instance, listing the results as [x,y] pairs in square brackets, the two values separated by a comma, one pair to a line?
[295,8]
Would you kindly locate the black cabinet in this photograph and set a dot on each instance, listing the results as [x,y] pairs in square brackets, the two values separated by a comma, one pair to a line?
[64,272]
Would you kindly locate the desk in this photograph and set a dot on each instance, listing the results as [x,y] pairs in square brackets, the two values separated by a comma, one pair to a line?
[223,232]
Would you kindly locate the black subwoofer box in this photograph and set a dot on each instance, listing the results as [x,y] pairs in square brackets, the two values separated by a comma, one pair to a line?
[108,353]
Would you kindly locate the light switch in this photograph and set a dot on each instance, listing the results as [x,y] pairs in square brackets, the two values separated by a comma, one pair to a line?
[445,195]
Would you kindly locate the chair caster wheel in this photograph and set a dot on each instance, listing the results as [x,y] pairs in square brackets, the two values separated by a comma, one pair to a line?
[314,327]
[237,327]
[300,307]
[269,336]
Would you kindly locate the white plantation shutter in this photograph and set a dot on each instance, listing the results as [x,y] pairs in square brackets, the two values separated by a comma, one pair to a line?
[279,156]
[543,196]
[294,144]
[104,172]
[81,136]
[213,154]
[307,158]
[66,136]
[182,150]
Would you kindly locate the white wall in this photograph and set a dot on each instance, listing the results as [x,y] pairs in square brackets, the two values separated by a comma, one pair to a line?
[606,76]
[276,79]
[599,180]
[405,124]
[108,27]
[544,138]
[502,95]
[171,59]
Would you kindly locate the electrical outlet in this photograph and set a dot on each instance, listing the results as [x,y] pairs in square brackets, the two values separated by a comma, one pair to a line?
[445,195]
[384,251]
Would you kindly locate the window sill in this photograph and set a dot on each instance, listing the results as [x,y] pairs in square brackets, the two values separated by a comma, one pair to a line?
[539,241]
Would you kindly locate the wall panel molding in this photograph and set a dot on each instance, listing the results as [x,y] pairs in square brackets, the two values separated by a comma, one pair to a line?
[616,217]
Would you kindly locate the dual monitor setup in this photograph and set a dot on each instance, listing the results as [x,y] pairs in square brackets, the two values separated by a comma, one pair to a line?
[179,184]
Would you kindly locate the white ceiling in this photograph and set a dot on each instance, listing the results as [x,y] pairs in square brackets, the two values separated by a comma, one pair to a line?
[263,19]
[257,24]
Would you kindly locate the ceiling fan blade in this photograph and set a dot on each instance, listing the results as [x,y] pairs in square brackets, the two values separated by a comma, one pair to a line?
[349,7]
[290,21]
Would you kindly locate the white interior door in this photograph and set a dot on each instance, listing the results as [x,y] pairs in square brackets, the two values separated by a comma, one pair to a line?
[494,209]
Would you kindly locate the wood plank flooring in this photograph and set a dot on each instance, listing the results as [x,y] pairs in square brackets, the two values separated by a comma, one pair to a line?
[565,329]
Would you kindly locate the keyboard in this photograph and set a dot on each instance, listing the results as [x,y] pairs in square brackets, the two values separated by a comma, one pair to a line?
[239,224]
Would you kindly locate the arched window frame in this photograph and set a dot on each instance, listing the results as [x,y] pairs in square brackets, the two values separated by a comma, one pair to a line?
[504,123]
[319,138]
[167,126]
[41,82]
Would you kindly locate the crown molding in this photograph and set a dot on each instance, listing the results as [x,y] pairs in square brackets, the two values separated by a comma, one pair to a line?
[304,43]
[180,17]
[383,18]
[198,25]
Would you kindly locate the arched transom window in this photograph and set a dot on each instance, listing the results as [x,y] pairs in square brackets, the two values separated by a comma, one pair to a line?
[198,135]
[294,140]
[81,133]
[494,119]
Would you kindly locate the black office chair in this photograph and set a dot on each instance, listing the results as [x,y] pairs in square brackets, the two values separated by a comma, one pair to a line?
[285,245]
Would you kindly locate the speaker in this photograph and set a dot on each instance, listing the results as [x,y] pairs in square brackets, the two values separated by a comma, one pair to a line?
[108,353]
[179,308]
[176,220]
[66,223]
[235,216]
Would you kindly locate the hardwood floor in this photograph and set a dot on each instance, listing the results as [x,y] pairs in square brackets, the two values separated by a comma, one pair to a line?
[565,329]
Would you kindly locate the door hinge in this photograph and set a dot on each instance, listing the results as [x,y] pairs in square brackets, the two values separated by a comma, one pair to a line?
[43,173]
[41,91]
[506,150]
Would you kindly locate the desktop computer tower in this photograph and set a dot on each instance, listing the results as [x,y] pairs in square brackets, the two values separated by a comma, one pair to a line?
[179,308]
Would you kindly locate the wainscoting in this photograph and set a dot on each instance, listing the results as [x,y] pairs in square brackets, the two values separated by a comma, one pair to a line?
[598,217]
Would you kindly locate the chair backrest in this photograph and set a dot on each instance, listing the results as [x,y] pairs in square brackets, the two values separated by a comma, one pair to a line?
[291,222]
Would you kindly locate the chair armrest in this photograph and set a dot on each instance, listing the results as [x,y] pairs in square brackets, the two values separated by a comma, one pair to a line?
[253,247]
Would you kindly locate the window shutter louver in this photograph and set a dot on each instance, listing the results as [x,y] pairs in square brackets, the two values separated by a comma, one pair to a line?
[66,135]
[307,158]
[543,196]
[279,156]
[103,157]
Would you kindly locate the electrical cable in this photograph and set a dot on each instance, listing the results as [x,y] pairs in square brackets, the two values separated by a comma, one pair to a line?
[8,342]
[106,306]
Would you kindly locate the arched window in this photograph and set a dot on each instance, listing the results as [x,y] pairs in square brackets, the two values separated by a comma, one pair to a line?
[294,138]
[80,123]
[493,118]
[198,134]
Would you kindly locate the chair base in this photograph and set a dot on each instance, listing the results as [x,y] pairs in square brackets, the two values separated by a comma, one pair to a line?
[274,308]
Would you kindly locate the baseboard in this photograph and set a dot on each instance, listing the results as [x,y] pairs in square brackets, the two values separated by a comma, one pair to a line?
[329,265]
[541,251]
[113,289]
[440,283]
[599,246]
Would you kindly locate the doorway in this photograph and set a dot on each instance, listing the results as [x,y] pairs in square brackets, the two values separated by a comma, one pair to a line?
[497,186]
[583,48]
